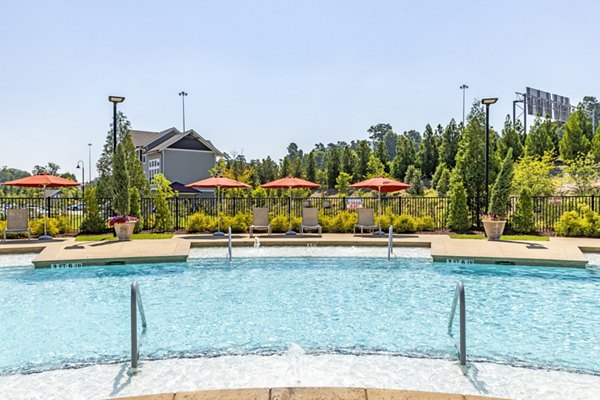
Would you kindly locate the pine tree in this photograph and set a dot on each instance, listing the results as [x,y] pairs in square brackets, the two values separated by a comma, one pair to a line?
[574,141]
[539,140]
[92,223]
[163,218]
[595,151]
[342,183]
[414,179]
[348,160]
[333,167]
[382,154]
[405,156]
[522,221]
[449,144]
[470,159]
[311,167]
[443,184]
[458,213]
[121,182]
[375,167]
[137,177]
[104,164]
[135,208]
[510,139]
[428,156]
[501,190]
[363,152]
[286,168]
[437,174]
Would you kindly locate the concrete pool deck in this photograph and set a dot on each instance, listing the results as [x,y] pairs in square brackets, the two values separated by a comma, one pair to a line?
[309,393]
[565,252]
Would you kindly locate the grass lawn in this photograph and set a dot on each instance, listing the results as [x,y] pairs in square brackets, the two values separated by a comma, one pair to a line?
[504,237]
[109,236]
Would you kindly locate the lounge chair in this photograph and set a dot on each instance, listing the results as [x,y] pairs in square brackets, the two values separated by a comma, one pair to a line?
[17,220]
[260,220]
[310,220]
[366,220]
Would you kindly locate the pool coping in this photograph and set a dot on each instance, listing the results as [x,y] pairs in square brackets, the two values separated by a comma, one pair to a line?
[560,252]
[309,393]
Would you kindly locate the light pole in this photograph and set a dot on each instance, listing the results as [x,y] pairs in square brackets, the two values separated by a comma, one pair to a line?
[115,100]
[183,94]
[487,102]
[89,162]
[464,87]
[81,165]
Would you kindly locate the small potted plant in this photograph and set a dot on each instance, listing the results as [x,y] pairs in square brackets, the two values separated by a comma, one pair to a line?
[495,220]
[123,225]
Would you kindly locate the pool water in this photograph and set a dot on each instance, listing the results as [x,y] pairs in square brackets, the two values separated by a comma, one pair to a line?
[532,316]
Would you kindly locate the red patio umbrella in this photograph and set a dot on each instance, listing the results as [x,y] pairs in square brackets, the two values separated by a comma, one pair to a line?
[42,180]
[218,182]
[290,183]
[381,184]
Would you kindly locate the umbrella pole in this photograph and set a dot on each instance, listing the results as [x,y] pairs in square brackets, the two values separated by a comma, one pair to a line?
[46,211]
[379,232]
[290,231]
[218,232]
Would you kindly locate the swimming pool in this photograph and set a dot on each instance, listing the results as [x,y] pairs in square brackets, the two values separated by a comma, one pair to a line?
[531,316]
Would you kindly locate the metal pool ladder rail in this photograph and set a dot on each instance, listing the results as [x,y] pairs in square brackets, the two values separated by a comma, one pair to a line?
[461,346]
[229,244]
[390,242]
[136,302]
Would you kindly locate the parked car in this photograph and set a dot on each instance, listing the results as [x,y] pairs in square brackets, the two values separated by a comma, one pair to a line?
[75,207]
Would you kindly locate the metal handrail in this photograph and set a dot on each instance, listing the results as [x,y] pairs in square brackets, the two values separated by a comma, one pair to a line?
[461,346]
[136,302]
[390,242]
[229,244]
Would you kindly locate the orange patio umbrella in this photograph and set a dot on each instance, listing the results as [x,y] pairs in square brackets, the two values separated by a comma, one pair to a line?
[42,180]
[218,182]
[381,184]
[290,183]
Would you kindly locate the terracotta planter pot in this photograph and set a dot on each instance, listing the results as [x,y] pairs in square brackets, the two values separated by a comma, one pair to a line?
[124,230]
[494,229]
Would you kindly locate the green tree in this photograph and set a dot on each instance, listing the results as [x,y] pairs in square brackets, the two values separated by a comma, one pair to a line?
[162,214]
[390,139]
[501,190]
[534,173]
[286,168]
[92,223]
[437,174]
[595,151]
[574,141]
[522,221]
[449,144]
[470,159]
[104,164]
[583,172]
[348,160]
[539,140]
[428,156]
[311,167]
[443,184]
[135,208]
[510,139]
[405,156]
[458,213]
[375,167]
[342,183]
[333,167]
[377,132]
[382,154]
[415,180]
[137,177]
[363,152]
[120,181]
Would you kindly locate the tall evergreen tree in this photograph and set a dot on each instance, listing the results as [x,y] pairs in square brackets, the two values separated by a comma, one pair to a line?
[363,153]
[286,167]
[311,167]
[121,182]
[501,190]
[104,164]
[333,167]
[348,160]
[137,176]
[382,154]
[390,140]
[510,139]
[538,139]
[378,132]
[449,144]
[405,156]
[574,142]
[458,213]
[428,156]
[414,179]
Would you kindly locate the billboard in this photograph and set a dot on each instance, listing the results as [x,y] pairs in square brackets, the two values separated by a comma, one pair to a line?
[540,103]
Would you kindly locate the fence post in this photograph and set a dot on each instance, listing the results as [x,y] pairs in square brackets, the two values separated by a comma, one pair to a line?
[177,212]
[593,203]
[47,206]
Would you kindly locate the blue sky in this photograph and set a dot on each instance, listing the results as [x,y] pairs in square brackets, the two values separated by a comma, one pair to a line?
[262,74]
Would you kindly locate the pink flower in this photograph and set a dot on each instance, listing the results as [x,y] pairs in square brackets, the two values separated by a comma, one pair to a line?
[121,220]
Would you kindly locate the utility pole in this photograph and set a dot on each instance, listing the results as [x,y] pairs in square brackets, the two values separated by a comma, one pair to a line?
[183,94]
[464,87]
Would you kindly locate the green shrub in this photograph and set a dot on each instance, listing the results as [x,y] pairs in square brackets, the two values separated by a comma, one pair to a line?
[404,223]
[37,226]
[522,220]
[11,235]
[240,223]
[425,224]
[570,224]
[92,223]
[200,223]
[135,208]
[281,223]
[163,218]
[458,215]
[63,224]
[341,222]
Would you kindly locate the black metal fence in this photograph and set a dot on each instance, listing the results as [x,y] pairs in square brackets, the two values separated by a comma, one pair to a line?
[547,210]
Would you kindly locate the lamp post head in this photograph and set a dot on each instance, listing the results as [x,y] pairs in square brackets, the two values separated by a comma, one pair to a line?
[182,93]
[116,99]
[463,86]
[489,101]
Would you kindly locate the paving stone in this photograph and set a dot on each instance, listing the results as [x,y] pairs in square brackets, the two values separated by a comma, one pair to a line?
[385,394]
[231,394]
[318,394]
[164,396]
